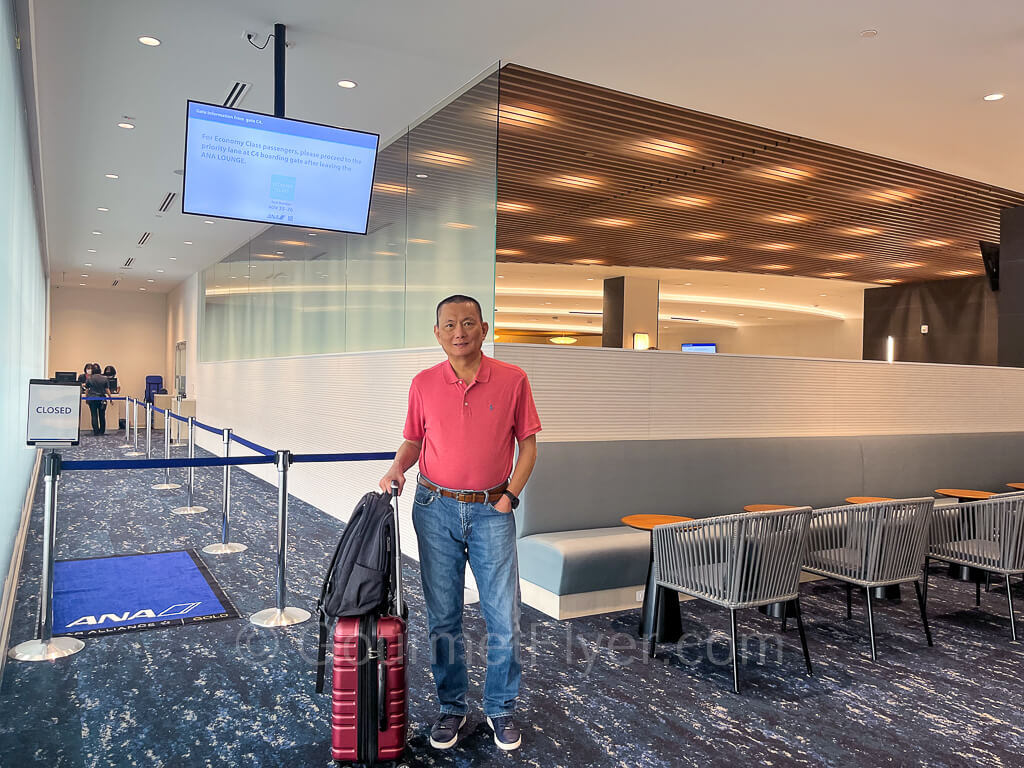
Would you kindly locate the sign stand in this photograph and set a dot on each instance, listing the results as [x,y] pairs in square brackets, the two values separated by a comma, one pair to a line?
[54,411]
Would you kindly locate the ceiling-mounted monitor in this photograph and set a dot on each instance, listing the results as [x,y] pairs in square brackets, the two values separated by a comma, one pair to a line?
[274,170]
[706,348]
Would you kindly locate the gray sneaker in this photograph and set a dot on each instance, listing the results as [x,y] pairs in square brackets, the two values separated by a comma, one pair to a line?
[444,733]
[506,733]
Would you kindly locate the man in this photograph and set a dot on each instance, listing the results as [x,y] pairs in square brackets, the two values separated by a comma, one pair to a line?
[464,419]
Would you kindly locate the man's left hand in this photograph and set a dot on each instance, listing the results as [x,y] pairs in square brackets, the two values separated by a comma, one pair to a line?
[503,505]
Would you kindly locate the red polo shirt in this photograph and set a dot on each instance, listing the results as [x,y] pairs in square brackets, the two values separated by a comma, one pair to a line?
[469,432]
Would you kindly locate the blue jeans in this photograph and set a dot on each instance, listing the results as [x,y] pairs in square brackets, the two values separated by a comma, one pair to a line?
[452,533]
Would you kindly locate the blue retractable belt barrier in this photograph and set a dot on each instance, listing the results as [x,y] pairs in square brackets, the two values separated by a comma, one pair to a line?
[158,410]
[213,461]
[311,457]
[207,427]
[251,445]
[176,416]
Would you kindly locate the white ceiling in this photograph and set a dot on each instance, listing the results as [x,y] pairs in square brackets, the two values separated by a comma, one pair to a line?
[911,93]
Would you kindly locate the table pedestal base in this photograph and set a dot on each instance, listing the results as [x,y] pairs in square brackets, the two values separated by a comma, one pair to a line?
[966,573]
[671,627]
[891,592]
[777,610]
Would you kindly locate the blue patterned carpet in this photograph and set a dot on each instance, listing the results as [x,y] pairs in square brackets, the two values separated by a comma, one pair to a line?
[230,694]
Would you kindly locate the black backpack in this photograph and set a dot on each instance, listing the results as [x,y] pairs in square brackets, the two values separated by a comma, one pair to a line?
[360,578]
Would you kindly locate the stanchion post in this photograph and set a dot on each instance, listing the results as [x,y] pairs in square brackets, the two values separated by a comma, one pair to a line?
[281,616]
[135,423]
[167,485]
[149,430]
[46,647]
[127,423]
[225,547]
[190,509]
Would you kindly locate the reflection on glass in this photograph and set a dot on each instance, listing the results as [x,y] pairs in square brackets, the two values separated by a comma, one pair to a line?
[431,234]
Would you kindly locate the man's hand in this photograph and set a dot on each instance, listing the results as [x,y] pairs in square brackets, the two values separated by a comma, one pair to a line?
[394,475]
[503,505]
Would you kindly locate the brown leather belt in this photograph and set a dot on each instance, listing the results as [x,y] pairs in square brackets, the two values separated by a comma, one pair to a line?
[491,495]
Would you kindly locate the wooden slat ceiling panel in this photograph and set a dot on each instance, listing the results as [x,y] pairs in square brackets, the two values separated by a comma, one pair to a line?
[864,217]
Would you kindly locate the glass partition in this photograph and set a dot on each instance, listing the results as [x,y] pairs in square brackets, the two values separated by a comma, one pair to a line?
[431,233]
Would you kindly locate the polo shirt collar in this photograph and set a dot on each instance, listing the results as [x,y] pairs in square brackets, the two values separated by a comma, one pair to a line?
[483,374]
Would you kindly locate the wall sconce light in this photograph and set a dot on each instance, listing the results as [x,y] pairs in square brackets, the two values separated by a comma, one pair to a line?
[890,349]
[641,341]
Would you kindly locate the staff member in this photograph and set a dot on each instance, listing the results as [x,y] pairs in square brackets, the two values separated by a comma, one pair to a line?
[97,385]
[465,417]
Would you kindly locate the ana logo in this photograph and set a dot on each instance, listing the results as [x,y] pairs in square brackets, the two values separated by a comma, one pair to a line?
[491,406]
[178,609]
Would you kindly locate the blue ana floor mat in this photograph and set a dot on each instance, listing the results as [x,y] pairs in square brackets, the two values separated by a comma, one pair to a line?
[122,593]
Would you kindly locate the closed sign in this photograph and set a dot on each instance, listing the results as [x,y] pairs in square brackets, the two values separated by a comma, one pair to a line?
[53,412]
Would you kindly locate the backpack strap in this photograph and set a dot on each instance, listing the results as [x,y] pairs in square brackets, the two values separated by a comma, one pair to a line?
[321,653]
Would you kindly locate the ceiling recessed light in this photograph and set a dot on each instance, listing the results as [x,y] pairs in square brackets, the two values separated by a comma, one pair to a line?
[932,243]
[823,294]
[207,221]
[506,207]
[775,246]
[83,275]
[142,289]
[152,42]
[783,173]
[687,283]
[740,314]
[907,264]
[609,222]
[159,270]
[776,266]
[174,258]
[995,97]
[279,253]
[188,242]
[88,264]
[126,126]
[709,258]
[92,250]
[868,33]
[687,201]
[311,234]
[508,252]
[150,281]
[590,278]
[347,83]
[96,232]
[860,231]
[82,284]
[436,157]
[786,218]
[422,176]
[110,176]
[104,210]
[706,236]
[578,182]
[553,238]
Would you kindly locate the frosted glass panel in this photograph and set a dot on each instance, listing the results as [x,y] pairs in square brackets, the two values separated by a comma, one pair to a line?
[452,205]
[292,291]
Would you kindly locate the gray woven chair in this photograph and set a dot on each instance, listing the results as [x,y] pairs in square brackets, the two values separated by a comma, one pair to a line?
[988,535]
[735,561]
[870,546]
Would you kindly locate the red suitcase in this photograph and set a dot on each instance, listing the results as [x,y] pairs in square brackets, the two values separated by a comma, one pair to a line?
[369,690]
[368,701]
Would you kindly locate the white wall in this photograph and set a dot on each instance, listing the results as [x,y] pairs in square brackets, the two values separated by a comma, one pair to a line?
[125,329]
[182,308]
[610,394]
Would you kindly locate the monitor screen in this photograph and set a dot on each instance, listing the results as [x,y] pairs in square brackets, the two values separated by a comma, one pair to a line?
[706,348]
[65,377]
[254,167]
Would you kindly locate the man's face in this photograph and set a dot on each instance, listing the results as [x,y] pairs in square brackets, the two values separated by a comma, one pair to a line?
[460,331]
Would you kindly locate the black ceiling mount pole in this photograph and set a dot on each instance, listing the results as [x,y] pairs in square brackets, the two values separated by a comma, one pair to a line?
[279,50]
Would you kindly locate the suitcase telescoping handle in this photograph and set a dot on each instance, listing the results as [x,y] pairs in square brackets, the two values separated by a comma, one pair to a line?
[399,600]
